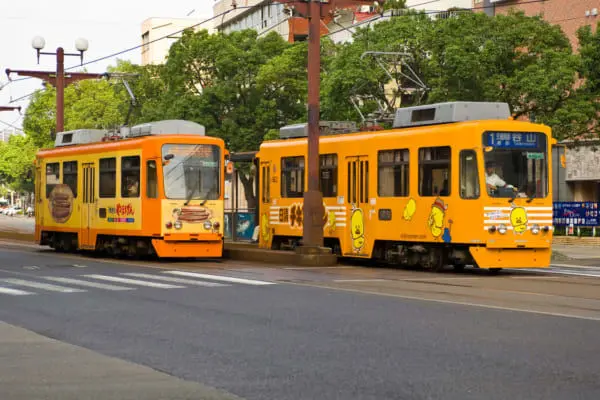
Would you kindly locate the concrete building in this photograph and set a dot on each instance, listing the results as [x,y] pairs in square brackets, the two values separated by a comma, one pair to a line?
[569,15]
[155,52]
[265,16]
[5,134]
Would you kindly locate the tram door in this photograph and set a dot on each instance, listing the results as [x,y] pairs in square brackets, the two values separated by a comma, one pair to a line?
[88,207]
[265,204]
[359,210]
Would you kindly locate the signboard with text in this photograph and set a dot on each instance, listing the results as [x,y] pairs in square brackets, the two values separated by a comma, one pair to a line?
[513,140]
[576,213]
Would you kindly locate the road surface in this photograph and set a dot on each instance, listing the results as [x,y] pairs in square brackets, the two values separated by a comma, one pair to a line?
[315,333]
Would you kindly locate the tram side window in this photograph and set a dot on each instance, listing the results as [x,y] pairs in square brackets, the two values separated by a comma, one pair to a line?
[328,174]
[393,173]
[151,180]
[130,176]
[108,177]
[52,177]
[70,175]
[434,171]
[469,177]
[292,177]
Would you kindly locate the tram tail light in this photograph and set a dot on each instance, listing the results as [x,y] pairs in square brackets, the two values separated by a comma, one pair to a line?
[216,225]
[169,225]
[546,229]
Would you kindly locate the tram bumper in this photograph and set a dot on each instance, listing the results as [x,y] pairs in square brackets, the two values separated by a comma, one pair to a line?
[188,249]
[511,258]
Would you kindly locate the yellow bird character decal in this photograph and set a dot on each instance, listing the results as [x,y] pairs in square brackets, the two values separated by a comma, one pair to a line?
[331,221]
[264,228]
[518,219]
[357,228]
[436,218]
[410,209]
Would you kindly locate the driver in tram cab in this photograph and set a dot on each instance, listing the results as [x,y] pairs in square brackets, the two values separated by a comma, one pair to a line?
[492,180]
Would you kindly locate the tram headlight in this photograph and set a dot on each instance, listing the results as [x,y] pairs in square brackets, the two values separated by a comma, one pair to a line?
[207,225]
[178,224]
[535,229]
[502,229]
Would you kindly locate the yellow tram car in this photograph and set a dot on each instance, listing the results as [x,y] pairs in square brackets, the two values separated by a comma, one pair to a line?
[459,183]
[153,189]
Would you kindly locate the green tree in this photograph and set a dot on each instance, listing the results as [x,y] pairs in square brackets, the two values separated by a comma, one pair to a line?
[16,163]
[231,84]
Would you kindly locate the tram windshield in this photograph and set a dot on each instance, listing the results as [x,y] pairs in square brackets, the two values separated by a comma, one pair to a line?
[516,164]
[191,171]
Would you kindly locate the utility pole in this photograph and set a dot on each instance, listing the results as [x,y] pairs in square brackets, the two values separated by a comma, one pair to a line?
[59,79]
[314,10]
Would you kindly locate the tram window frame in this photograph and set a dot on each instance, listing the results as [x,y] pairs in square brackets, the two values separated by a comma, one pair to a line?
[130,171]
[474,175]
[107,167]
[70,175]
[52,169]
[266,183]
[329,186]
[151,180]
[293,171]
[400,165]
[428,164]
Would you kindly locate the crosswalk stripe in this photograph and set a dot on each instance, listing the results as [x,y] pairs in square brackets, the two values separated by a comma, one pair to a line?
[219,278]
[176,280]
[43,286]
[14,292]
[79,282]
[133,281]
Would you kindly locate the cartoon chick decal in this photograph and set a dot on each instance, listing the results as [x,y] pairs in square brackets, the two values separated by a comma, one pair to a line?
[436,217]
[331,221]
[410,209]
[357,229]
[264,228]
[518,219]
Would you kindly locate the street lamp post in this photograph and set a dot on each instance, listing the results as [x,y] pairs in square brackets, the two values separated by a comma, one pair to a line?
[58,79]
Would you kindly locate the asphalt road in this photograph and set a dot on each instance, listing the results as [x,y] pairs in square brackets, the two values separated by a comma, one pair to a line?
[274,333]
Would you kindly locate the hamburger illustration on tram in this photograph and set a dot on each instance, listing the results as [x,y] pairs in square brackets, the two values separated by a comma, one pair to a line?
[61,203]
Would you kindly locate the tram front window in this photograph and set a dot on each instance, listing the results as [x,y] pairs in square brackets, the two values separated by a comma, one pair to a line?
[191,171]
[515,164]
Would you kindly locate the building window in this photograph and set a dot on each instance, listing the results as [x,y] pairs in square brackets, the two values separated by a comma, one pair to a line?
[469,177]
[434,171]
[108,177]
[292,177]
[52,177]
[70,176]
[130,176]
[328,174]
[151,180]
[145,42]
[393,173]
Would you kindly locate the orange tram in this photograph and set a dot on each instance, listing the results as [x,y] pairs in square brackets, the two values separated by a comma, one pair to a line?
[153,189]
[458,183]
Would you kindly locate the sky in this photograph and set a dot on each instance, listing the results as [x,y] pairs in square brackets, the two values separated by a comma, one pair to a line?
[109,26]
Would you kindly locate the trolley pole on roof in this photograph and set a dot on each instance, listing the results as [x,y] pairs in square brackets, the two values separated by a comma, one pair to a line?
[59,79]
[314,10]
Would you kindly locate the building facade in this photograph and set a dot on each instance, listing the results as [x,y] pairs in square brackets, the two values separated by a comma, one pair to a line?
[265,16]
[155,51]
[5,134]
[570,15]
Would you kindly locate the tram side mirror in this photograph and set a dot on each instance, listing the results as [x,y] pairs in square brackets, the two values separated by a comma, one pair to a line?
[169,157]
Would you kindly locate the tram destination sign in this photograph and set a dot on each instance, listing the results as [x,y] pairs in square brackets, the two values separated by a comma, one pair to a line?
[576,213]
[512,140]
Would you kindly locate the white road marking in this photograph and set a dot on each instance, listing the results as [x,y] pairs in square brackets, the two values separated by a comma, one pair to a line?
[13,292]
[134,282]
[361,280]
[79,266]
[96,285]
[43,286]
[176,280]
[31,267]
[219,278]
